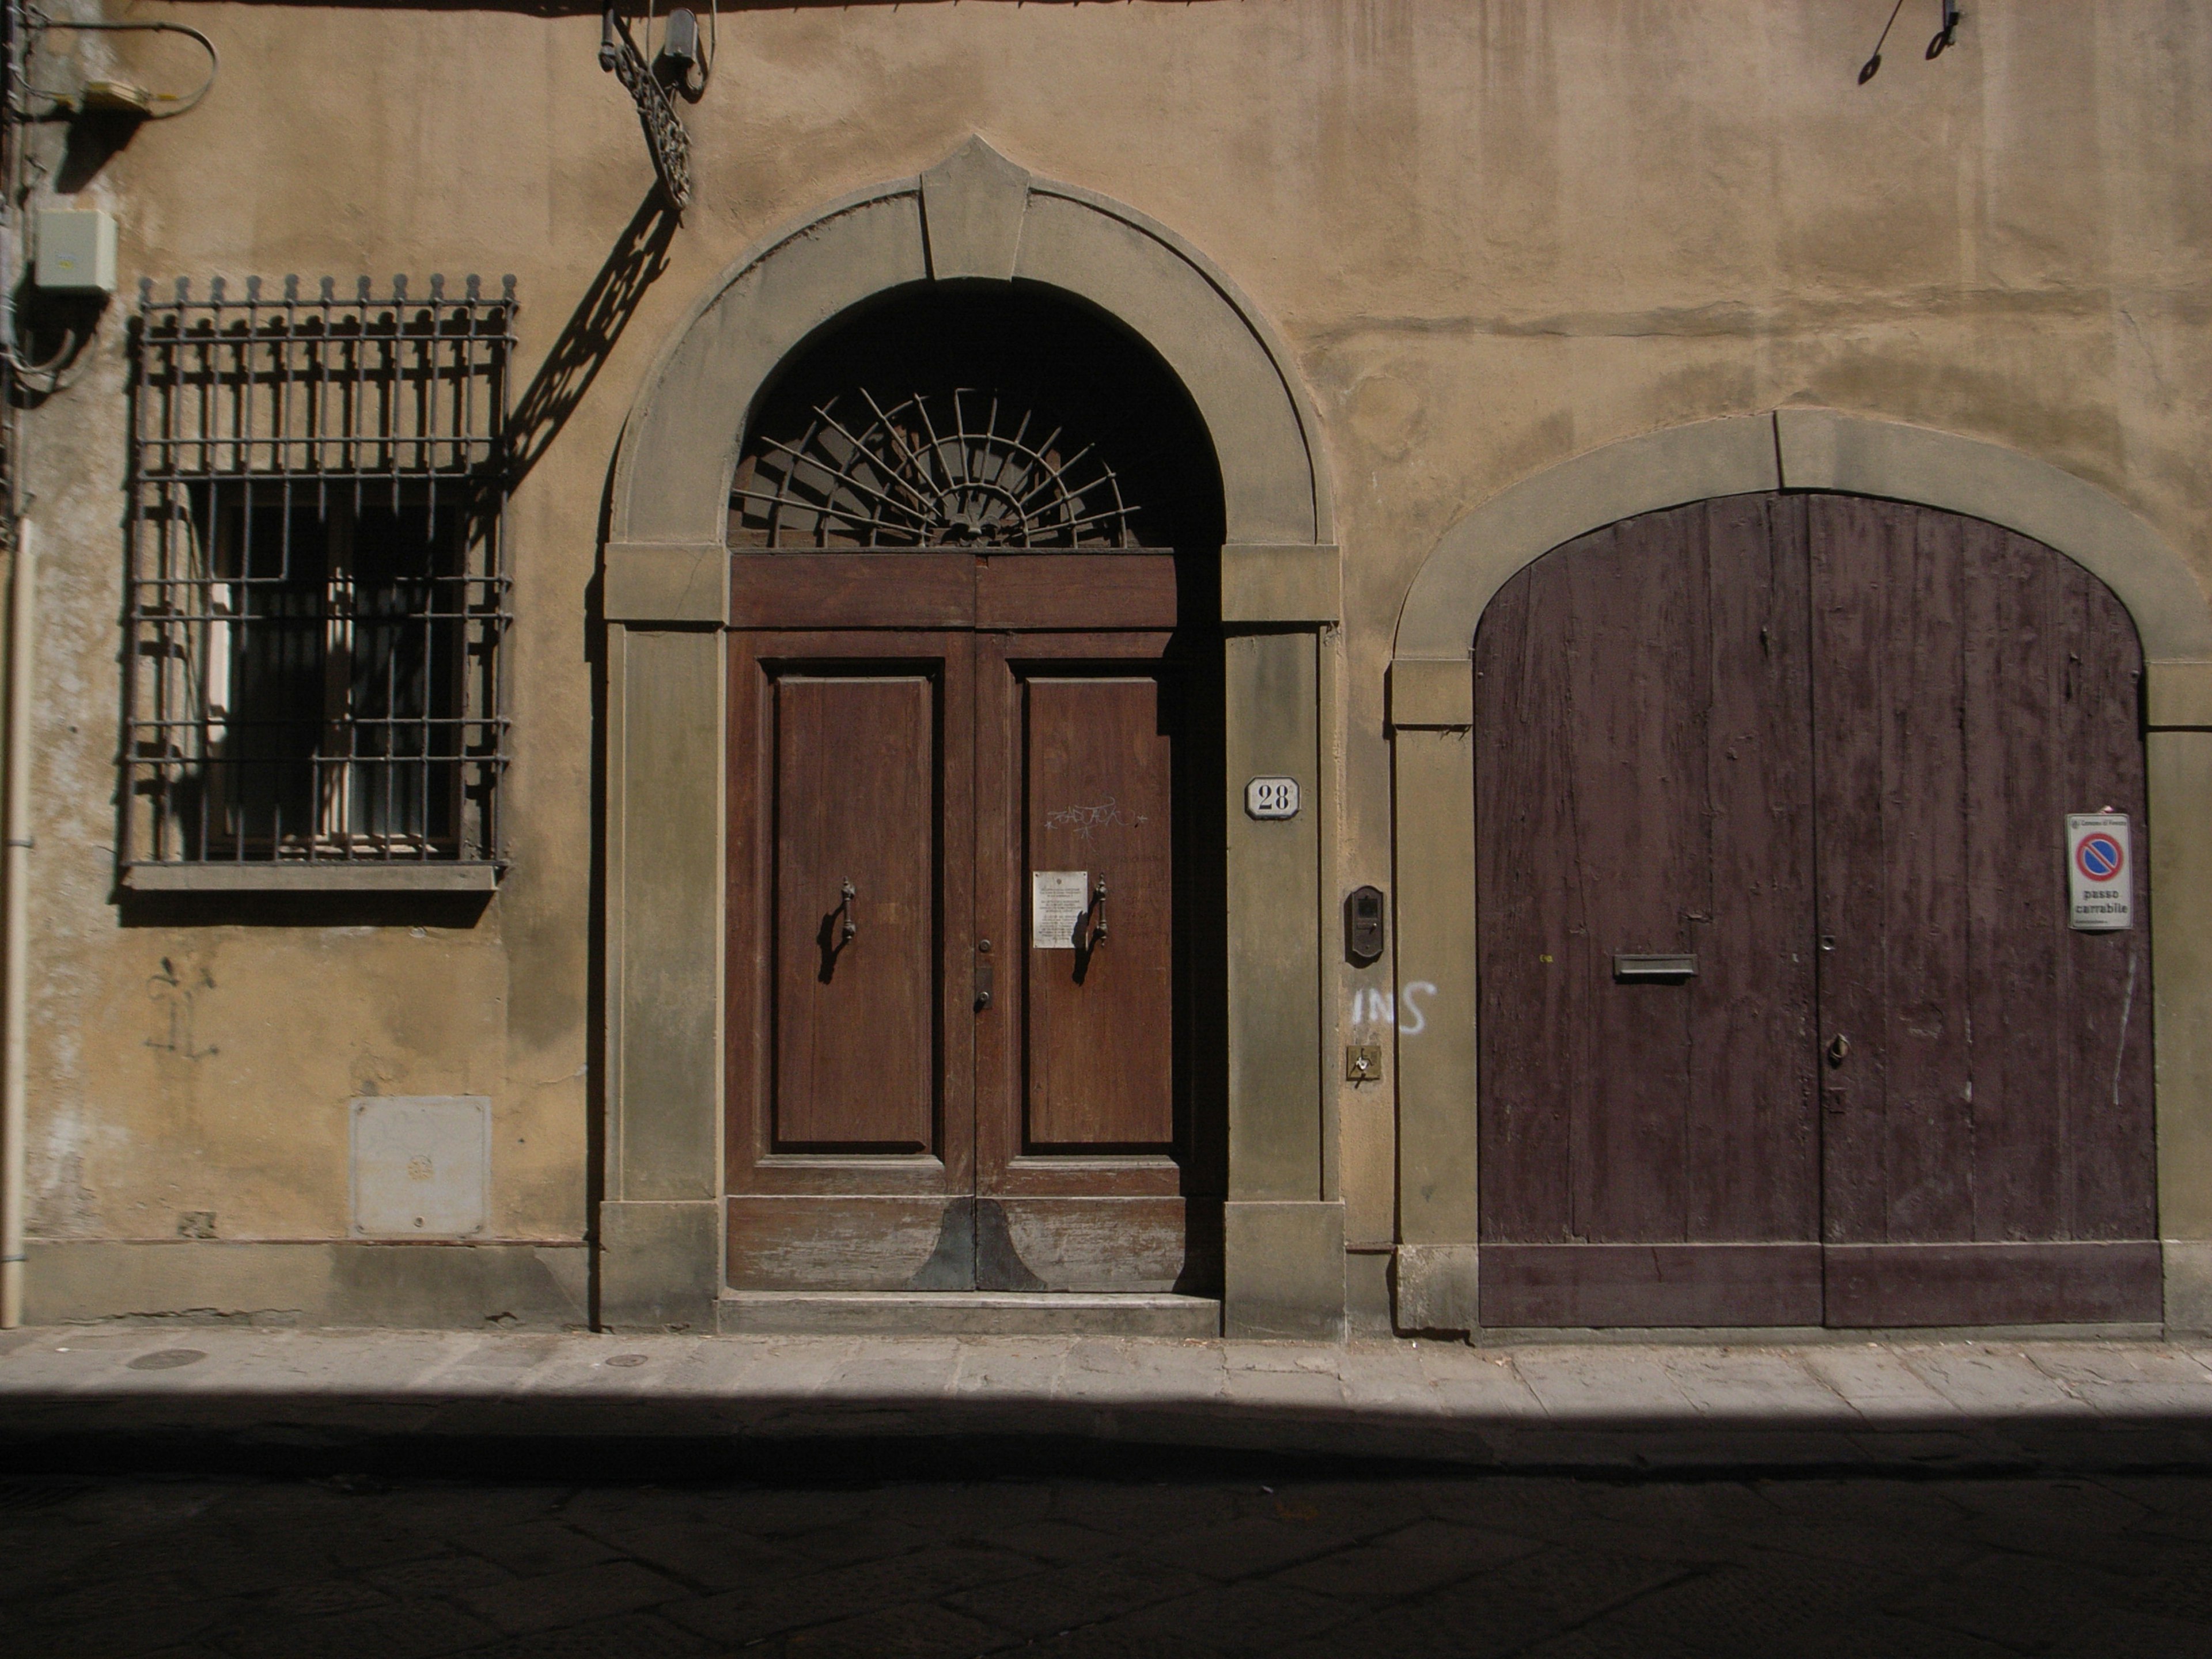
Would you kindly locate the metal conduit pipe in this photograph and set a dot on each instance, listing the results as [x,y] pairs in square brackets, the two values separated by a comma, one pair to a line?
[14,904]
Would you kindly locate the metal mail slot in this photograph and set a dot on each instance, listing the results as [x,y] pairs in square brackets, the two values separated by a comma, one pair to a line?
[1625,967]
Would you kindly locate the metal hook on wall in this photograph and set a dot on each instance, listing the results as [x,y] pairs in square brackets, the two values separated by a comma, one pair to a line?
[1948,34]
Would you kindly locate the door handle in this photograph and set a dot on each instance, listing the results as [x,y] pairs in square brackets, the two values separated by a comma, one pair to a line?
[845,903]
[983,982]
[1099,914]
[1840,1049]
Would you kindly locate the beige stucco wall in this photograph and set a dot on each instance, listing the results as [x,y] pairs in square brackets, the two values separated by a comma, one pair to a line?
[1493,236]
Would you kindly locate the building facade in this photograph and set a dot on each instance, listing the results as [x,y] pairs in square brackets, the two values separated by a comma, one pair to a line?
[1351,665]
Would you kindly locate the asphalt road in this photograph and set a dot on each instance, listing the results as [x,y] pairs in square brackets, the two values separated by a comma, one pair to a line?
[1161,1565]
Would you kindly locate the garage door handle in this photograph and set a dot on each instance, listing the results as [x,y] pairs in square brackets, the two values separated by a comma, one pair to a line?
[1840,1049]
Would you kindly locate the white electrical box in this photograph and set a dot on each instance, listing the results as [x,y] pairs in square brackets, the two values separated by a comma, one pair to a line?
[420,1163]
[77,250]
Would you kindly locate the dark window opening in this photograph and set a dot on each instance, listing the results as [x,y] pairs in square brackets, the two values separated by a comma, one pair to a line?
[317,598]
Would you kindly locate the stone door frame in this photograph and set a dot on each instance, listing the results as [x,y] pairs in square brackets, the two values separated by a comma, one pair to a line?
[665,593]
[1431,711]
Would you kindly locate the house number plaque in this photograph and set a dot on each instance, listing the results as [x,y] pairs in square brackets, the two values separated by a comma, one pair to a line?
[1271,798]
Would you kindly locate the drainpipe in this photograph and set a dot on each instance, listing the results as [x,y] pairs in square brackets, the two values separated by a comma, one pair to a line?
[14,902]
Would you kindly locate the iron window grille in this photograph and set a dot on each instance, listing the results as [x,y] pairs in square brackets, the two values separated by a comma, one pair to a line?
[317,594]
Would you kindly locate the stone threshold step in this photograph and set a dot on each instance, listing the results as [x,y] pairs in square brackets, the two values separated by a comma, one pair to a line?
[963,1313]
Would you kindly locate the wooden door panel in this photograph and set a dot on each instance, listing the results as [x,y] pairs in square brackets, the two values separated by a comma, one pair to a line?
[2076,1282]
[1110,714]
[2061,1038]
[816,1242]
[855,892]
[951,1108]
[1100,1017]
[1898,1113]
[1102,1244]
[1650,1284]
[1636,843]
[2105,1023]
[850,1068]
[904,591]
[1082,1105]
[1755,1137]
[1642,719]
[1975,687]
[1936,694]
[1084,590]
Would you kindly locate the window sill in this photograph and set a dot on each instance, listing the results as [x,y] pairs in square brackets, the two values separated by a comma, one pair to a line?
[332,877]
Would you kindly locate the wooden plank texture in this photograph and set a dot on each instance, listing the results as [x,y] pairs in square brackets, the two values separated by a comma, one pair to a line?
[1974,688]
[888,1126]
[855,897]
[852,590]
[841,1244]
[1101,1017]
[814,1120]
[1643,785]
[2074,1282]
[1649,1285]
[1897,1119]
[1084,591]
[1753,1131]
[1780,731]
[1093,1245]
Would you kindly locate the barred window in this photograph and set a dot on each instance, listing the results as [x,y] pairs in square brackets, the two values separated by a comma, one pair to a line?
[317,596]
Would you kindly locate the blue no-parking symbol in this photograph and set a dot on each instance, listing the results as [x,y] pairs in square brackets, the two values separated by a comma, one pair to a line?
[2100,856]
[2098,879]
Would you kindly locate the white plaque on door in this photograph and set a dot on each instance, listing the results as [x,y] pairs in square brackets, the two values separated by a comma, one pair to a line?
[1056,902]
[2100,881]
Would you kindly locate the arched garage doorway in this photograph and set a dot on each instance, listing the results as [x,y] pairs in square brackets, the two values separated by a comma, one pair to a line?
[1782,1019]
[1432,712]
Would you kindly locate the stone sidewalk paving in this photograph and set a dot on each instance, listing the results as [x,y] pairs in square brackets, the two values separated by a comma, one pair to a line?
[1951,1406]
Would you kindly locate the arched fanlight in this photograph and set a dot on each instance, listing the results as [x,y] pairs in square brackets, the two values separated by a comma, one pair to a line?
[964,468]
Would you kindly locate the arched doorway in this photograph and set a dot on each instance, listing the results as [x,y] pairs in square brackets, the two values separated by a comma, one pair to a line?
[975,952]
[1782,1019]
[670,590]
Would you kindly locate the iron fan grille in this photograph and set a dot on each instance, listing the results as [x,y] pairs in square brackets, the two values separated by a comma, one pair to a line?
[316,590]
[963,468]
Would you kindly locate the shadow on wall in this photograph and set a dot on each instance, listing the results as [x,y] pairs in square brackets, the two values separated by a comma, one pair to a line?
[639,255]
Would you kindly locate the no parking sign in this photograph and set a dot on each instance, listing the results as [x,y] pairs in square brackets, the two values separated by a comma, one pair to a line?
[2100,880]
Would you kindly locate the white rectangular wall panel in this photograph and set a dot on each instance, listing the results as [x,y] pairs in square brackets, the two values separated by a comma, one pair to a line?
[421,1165]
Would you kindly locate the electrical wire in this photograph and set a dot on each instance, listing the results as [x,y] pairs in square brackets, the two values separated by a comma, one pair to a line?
[40,23]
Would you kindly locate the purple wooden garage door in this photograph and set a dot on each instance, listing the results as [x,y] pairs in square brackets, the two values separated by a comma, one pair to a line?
[1781,1018]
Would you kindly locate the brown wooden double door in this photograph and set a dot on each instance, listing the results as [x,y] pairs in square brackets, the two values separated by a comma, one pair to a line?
[963,938]
[1819,750]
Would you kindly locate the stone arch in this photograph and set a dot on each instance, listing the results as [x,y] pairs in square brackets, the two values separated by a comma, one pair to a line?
[1432,708]
[1812,449]
[975,217]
